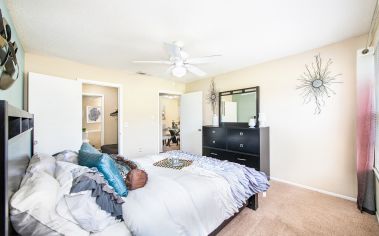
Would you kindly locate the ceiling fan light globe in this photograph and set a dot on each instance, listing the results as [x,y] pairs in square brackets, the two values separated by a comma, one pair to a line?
[179,44]
[179,71]
[184,55]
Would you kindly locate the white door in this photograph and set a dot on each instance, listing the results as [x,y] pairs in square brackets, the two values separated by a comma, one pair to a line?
[191,121]
[57,107]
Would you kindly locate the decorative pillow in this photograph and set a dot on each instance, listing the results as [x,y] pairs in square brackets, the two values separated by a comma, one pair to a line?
[125,161]
[136,179]
[88,200]
[107,167]
[66,168]
[83,208]
[106,197]
[124,170]
[65,173]
[89,148]
[43,162]
[32,208]
[121,165]
[39,162]
[67,155]
[89,159]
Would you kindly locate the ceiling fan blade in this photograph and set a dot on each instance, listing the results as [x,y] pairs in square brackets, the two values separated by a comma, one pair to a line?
[196,71]
[201,60]
[173,50]
[154,62]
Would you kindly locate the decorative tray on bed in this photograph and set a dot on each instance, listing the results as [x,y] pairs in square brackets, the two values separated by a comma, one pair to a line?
[173,163]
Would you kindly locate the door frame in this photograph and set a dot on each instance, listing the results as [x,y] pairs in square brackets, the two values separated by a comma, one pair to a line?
[120,108]
[102,111]
[160,115]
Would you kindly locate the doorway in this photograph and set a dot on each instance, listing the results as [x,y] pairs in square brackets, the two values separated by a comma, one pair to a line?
[93,119]
[169,122]
[100,116]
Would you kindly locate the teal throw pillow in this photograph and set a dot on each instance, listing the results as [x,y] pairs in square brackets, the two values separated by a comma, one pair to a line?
[88,148]
[107,167]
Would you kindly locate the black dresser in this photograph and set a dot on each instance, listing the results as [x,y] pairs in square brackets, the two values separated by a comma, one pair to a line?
[246,146]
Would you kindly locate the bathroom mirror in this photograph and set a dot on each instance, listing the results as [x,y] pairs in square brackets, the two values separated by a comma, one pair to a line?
[236,107]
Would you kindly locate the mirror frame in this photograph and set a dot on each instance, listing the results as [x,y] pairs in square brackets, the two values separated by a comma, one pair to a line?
[237,91]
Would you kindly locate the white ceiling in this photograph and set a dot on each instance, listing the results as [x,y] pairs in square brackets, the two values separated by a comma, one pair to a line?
[113,33]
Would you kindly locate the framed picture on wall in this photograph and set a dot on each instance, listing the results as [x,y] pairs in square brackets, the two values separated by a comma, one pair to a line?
[93,114]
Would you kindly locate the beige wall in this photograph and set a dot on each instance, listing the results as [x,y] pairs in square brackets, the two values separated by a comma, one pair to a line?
[110,105]
[308,149]
[140,97]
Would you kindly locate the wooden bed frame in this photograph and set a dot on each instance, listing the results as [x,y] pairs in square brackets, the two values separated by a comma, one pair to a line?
[252,203]
[16,149]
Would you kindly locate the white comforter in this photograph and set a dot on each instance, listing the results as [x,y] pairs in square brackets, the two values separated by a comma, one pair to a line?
[191,201]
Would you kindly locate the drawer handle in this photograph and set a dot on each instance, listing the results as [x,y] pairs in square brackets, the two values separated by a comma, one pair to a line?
[241,133]
[213,131]
[214,154]
[213,141]
[241,145]
[241,159]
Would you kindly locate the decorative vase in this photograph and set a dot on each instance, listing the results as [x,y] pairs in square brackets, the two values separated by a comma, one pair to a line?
[215,120]
[252,122]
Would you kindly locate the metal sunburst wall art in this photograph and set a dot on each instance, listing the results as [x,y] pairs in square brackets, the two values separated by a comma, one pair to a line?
[212,97]
[316,82]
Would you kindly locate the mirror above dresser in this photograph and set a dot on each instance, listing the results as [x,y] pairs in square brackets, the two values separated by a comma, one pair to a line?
[237,107]
[233,140]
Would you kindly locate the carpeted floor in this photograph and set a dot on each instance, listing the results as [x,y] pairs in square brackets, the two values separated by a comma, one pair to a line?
[289,210]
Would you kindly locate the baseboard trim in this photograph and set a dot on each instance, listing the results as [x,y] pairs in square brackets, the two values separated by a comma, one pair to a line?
[315,189]
[377,216]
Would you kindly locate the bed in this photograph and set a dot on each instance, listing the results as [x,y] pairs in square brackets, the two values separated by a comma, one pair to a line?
[16,148]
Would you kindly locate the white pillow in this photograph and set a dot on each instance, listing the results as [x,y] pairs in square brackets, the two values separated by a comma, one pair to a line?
[68,156]
[87,213]
[42,162]
[80,208]
[64,168]
[65,173]
[39,162]
[32,208]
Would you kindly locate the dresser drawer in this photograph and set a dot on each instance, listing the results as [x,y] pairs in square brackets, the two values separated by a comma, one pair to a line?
[247,160]
[218,154]
[214,137]
[244,140]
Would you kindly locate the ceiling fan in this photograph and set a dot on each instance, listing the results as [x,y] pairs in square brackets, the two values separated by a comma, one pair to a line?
[179,61]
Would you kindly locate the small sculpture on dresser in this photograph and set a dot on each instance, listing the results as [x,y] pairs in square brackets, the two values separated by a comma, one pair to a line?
[252,122]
